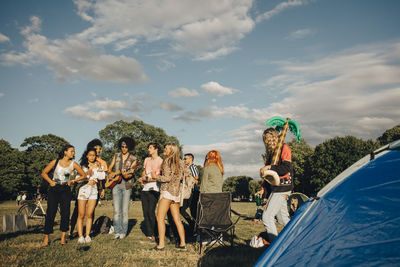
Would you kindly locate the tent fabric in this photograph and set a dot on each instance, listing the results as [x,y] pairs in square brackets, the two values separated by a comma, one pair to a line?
[354,223]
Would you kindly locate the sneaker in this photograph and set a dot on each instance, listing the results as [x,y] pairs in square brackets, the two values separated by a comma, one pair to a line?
[88,239]
[81,240]
[116,236]
[122,236]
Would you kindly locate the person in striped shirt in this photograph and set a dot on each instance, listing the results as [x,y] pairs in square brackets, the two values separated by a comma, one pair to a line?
[192,201]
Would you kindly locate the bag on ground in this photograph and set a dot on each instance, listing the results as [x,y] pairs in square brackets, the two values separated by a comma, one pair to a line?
[102,225]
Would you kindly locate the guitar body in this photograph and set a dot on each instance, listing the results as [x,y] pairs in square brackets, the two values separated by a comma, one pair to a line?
[116,177]
[113,180]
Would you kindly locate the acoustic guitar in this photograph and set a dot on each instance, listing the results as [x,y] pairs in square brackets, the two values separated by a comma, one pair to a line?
[115,178]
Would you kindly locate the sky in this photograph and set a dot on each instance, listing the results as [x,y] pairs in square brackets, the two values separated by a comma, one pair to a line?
[209,72]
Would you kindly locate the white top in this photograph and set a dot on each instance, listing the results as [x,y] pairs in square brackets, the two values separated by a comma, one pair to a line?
[98,174]
[62,174]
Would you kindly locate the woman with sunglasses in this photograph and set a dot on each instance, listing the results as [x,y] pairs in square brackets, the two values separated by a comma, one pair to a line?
[122,167]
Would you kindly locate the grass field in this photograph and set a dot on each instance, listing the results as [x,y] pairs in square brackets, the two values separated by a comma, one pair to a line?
[24,248]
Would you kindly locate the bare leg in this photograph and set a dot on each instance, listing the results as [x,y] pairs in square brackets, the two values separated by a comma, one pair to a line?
[89,215]
[163,207]
[63,240]
[45,242]
[81,215]
[179,226]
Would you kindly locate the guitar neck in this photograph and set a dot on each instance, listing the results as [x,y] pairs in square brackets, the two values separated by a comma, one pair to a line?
[281,139]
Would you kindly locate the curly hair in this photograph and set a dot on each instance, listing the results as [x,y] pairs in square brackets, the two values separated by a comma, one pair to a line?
[214,156]
[95,142]
[270,138]
[130,143]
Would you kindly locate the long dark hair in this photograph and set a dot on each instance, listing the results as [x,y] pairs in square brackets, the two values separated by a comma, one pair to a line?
[65,148]
[84,160]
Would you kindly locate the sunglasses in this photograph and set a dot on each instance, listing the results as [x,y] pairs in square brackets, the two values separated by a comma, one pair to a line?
[124,147]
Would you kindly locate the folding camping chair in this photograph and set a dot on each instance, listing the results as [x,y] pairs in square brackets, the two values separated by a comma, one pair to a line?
[214,218]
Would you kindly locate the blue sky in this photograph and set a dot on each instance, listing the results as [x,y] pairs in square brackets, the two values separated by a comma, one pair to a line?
[209,72]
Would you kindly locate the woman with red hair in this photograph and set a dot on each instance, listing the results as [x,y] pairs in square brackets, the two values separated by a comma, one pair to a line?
[211,181]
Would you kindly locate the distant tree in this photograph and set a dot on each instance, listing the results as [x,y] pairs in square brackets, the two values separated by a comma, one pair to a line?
[40,150]
[334,156]
[238,186]
[389,135]
[11,171]
[142,133]
[301,152]
[255,186]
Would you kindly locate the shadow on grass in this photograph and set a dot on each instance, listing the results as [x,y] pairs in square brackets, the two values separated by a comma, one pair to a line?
[31,230]
[238,255]
[131,224]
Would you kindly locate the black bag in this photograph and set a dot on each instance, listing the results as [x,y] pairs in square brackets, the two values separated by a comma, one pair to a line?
[44,185]
[102,225]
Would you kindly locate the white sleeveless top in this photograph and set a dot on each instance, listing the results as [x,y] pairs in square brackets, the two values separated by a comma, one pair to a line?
[98,174]
[62,174]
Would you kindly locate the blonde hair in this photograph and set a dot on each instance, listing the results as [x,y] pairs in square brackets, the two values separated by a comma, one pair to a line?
[214,156]
[270,138]
[173,160]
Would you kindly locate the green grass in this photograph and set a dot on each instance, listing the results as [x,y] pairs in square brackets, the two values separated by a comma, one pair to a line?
[24,248]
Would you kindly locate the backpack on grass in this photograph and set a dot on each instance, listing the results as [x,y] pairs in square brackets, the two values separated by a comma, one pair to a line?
[102,225]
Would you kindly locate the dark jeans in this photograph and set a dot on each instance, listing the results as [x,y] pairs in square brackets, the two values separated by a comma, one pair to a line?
[58,195]
[149,203]
[193,203]
[183,212]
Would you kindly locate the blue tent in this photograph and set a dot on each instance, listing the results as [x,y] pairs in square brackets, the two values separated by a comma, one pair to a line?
[353,221]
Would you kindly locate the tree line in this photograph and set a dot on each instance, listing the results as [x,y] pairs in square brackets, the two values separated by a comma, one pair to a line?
[20,170]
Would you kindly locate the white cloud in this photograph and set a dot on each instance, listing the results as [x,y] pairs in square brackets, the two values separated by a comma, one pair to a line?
[217,89]
[165,105]
[102,115]
[205,29]
[165,65]
[278,9]
[354,92]
[300,34]
[73,58]
[3,38]
[106,110]
[125,44]
[183,92]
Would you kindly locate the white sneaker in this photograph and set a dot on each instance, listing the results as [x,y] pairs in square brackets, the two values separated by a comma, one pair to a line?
[88,239]
[116,236]
[122,236]
[81,240]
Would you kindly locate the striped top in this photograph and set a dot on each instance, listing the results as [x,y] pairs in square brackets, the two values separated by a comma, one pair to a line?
[193,169]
